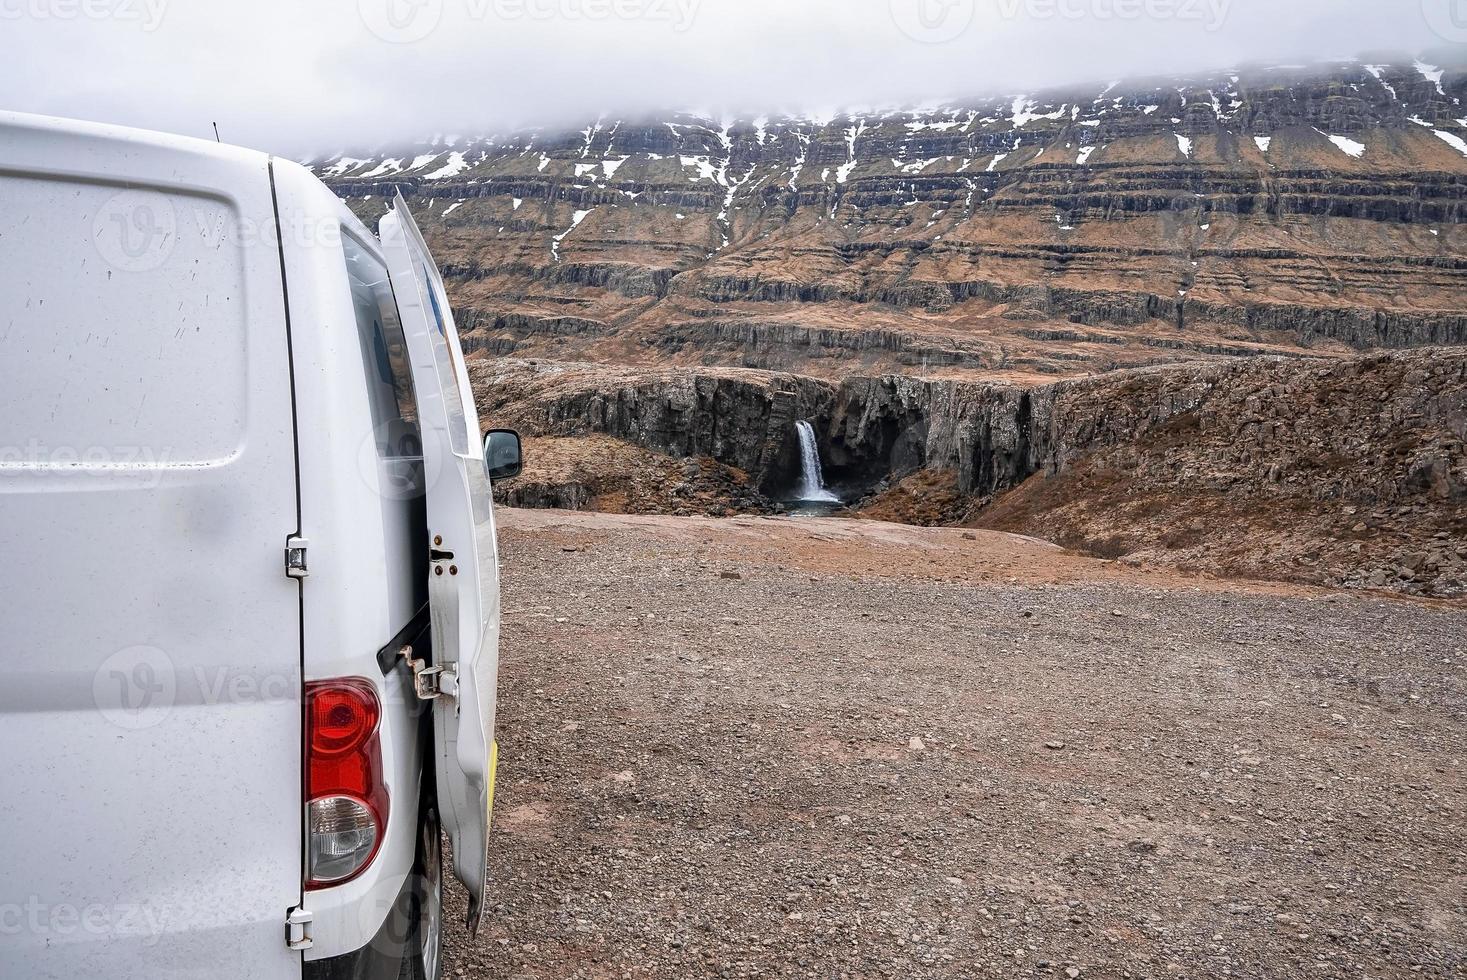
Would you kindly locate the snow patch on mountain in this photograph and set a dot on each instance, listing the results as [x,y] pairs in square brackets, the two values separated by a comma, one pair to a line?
[799,164]
[852,135]
[456,164]
[1432,74]
[1452,140]
[1376,70]
[706,170]
[345,165]
[1023,112]
[1347,146]
[576,220]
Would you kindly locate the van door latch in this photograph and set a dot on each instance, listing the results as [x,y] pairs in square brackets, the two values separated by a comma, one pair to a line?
[298,929]
[295,557]
[431,683]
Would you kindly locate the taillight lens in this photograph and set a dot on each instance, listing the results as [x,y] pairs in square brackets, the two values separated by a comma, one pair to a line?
[343,716]
[346,798]
[342,831]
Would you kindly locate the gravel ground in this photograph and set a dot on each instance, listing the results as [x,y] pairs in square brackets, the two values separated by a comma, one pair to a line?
[892,751]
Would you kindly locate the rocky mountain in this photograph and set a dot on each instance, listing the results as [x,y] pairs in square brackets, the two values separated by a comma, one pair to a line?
[985,305]
[1257,211]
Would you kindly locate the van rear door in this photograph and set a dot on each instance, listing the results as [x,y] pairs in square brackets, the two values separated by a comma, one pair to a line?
[463,568]
[150,822]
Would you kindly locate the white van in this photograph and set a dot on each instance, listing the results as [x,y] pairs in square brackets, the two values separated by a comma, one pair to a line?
[247,541]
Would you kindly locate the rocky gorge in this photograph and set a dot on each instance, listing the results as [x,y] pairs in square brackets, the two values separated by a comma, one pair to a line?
[1352,471]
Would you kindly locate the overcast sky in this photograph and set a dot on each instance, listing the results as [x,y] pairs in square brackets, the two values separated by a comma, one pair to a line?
[303,77]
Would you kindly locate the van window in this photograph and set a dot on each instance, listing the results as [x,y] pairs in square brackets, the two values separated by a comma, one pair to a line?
[447,365]
[384,354]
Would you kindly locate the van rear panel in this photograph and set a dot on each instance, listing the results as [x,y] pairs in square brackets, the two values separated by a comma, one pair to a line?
[151,707]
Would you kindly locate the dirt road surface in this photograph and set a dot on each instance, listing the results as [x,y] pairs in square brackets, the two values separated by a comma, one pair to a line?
[765,747]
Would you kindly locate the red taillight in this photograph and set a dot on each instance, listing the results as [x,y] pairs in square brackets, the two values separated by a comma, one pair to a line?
[343,716]
[346,798]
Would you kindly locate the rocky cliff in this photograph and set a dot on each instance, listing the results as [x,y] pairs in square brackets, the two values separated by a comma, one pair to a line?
[1344,471]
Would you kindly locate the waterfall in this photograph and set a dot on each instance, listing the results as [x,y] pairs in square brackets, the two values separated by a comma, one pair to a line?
[812,480]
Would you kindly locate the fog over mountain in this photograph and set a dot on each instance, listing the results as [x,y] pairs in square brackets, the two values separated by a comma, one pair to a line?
[304,79]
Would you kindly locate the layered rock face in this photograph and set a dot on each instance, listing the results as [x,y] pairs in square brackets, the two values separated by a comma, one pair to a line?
[741,419]
[1262,211]
[1373,429]
[1350,471]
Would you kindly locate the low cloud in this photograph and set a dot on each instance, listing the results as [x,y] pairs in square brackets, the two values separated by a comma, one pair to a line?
[303,79]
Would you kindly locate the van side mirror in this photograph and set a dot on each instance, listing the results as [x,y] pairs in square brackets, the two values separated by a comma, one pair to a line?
[502,458]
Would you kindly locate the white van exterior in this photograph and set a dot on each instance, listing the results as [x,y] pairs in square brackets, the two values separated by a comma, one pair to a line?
[249,558]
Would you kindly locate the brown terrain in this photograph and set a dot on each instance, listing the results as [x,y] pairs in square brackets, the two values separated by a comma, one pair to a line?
[1201,342]
[764,747]
[1213,323]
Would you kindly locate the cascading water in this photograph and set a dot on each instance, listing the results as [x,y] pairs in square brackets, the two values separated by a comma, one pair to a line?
[812,480]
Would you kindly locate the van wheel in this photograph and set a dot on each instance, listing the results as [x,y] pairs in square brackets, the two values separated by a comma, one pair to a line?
[423,957]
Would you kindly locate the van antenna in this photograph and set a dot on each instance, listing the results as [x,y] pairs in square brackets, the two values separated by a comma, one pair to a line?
[216,134]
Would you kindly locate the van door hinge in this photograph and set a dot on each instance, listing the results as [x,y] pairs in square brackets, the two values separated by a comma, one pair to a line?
[295,557]
[430,683]
[298,929]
